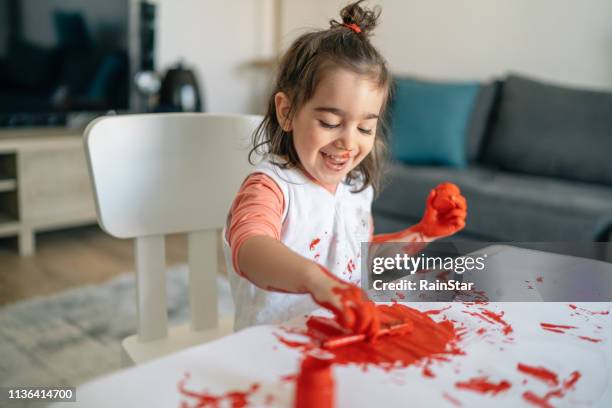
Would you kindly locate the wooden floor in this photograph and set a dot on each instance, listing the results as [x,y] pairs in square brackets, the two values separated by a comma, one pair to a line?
[70,258]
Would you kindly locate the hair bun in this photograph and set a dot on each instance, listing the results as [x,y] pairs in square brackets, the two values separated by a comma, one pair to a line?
[363,17]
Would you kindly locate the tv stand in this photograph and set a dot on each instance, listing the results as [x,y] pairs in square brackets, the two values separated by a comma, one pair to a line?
[44,183]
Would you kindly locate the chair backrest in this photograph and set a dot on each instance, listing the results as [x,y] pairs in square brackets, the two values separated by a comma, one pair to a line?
[166,173]
[157,174]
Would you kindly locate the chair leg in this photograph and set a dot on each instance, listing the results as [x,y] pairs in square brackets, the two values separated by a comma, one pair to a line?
[126,360]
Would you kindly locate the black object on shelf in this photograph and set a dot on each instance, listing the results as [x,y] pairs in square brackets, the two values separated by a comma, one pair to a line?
[180,91]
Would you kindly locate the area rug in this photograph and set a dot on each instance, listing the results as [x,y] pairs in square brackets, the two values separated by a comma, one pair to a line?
[74,336]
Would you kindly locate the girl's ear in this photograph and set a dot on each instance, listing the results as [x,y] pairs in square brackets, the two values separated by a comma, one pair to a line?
[283,106]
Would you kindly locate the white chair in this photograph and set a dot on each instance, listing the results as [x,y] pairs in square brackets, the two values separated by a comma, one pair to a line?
[158,174]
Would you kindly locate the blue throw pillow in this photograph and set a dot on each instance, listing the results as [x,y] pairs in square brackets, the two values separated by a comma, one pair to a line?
[429,121]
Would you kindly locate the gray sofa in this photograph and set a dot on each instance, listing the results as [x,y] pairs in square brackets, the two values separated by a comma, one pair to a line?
[540,167]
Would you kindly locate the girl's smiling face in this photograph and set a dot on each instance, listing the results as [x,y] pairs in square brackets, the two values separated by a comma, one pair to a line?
[335,130]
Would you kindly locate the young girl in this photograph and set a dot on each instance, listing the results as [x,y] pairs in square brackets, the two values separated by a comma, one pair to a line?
[294,230]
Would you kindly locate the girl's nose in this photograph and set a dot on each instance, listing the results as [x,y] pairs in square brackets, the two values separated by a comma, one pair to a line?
[346,141]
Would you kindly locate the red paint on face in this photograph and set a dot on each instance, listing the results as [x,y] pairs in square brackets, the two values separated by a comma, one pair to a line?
[540,373]
[483,385]
[314,243]
[236,399]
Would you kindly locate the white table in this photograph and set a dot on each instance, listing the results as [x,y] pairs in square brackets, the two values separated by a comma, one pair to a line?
[255,355]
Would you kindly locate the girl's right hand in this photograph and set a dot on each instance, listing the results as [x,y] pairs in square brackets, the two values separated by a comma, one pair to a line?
[349,304]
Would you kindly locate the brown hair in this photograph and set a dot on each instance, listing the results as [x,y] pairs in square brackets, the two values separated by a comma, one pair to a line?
[302,68]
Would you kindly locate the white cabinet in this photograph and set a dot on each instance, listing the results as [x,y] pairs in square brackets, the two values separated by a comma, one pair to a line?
[44,183]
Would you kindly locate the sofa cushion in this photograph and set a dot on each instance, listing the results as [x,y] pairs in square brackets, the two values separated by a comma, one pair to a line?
[549,130]
[504,206]
[480,119]
[430,120]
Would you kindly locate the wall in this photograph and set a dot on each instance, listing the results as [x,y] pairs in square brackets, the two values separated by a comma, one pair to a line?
[561,40]
[218,40]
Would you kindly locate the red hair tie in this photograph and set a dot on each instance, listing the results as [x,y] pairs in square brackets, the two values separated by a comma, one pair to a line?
[353,27]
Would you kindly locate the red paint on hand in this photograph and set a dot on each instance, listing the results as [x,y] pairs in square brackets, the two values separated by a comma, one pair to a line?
[351,307]
[445,212]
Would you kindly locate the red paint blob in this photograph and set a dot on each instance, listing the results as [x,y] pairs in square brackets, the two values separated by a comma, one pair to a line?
[427,340]
[315,384]
[483,385]
[540,373]
[235,399]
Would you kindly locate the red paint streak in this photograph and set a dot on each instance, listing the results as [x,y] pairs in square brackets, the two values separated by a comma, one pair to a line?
[540,373]
[317,256]
[451,399]
[591,339]
[436,311]
[481,331]
[544,401]
[601,312]
[237,399]
[314,243]
[556,328]
[498,318]
[483,385]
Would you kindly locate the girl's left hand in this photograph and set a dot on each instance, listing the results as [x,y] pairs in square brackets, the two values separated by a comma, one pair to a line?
[445,212]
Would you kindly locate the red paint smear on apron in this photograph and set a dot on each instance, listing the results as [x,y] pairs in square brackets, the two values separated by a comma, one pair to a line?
[314,243]
[483,385]
[237,399]
[540,373]
[544,401]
